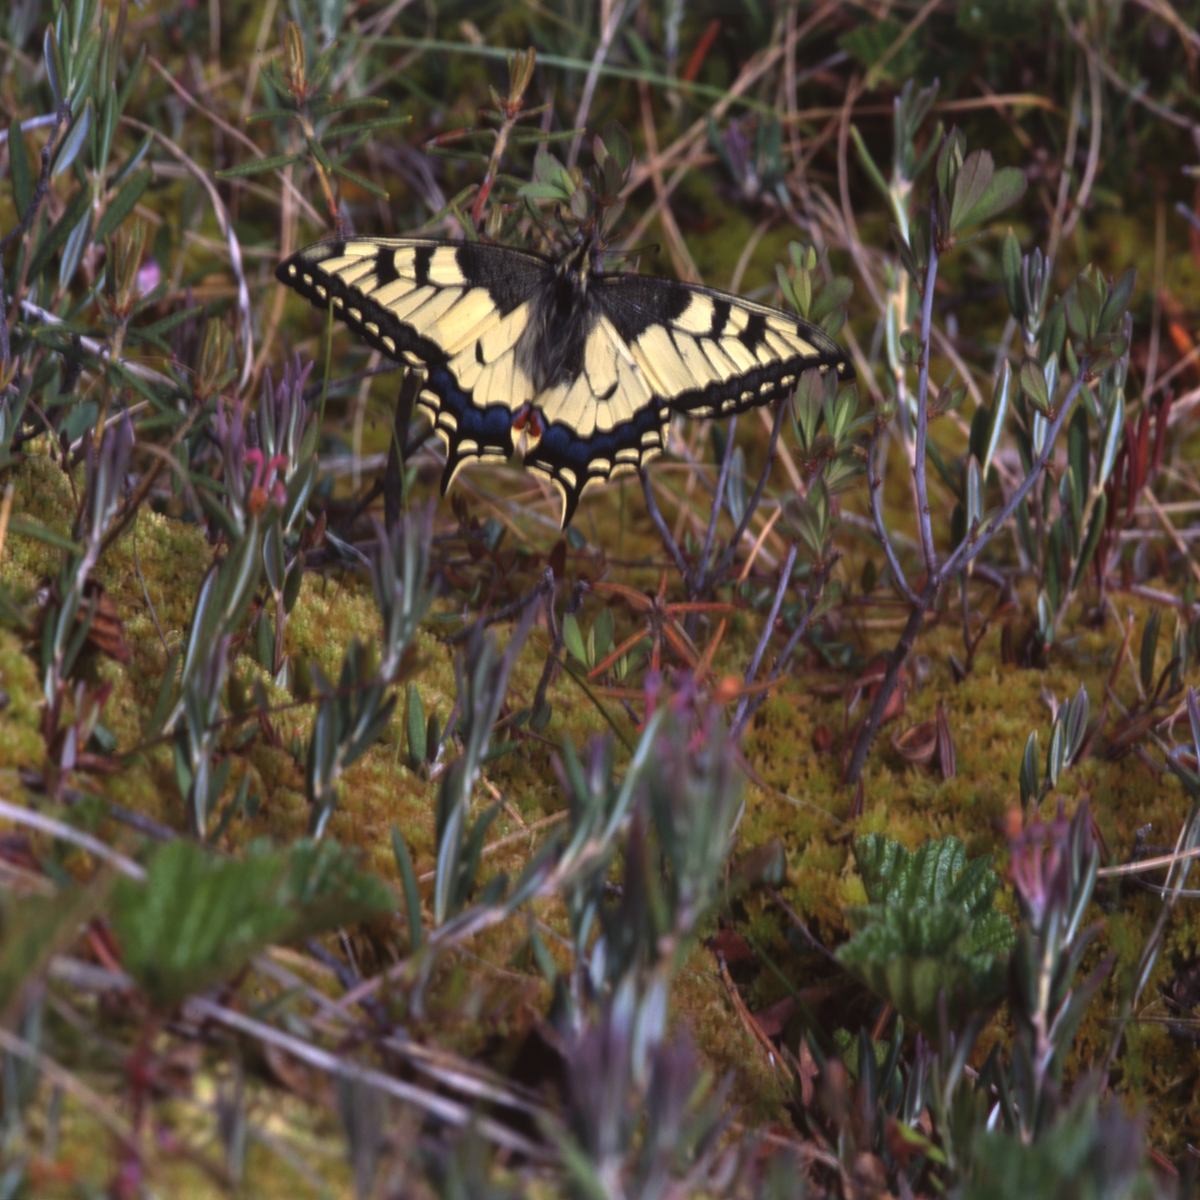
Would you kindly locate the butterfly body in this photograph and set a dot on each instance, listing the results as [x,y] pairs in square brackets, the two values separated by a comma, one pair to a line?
[588,365]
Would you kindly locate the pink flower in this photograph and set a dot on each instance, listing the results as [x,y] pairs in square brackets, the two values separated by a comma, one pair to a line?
[149,276]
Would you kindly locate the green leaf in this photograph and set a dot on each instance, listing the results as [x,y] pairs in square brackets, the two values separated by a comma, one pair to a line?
[1150,647]
[602,632]
[573,639]
[196,920]
[1005,189]
[868,163]
[367,126]
[258,165]
[359,181]
[1010,269]
[931,926]
[73,143]
[122,204]
[1117,302]
[412,897]
[970,186]
[53,241]
[35,928]
[1033,384]
[18,164]
[323,887]
[27,527]
[1078,460]
[416,728]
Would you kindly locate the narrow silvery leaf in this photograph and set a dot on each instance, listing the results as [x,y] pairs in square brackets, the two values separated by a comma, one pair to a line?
[1045,619]
[447,864]
[649,1026]
[50,50]
[1040,428]
[999,412]
[1056,755]
[1029,771]
[1088,552]
[75,139]
[108,126]
[974,493]
[1077,719]
[1112,440]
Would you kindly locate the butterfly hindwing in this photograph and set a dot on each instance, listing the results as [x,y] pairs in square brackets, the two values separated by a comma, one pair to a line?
[712,354]
[603,420]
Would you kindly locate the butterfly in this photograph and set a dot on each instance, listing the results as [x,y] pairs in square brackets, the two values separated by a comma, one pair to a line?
[587,365]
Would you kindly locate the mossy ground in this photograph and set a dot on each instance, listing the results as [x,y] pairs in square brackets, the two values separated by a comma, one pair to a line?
[803,805]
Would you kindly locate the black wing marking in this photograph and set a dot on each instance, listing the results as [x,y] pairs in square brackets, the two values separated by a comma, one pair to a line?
[602,421]
[710,353]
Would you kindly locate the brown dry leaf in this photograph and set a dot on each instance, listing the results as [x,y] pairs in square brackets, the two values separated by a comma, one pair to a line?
[773,1019]
[918,743]
[107,633]
[731,945]
[808,1072]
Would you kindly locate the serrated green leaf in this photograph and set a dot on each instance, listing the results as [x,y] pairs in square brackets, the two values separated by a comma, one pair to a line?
[930,926]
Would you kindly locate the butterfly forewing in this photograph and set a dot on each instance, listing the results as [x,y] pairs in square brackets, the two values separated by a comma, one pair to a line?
[453,309]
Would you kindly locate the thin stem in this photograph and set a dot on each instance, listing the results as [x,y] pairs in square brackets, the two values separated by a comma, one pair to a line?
[701,574]
[875,486]
[755,499]
[924,517]
[785,577]
[607,33]
[661,525]
[871,722]
[815,591]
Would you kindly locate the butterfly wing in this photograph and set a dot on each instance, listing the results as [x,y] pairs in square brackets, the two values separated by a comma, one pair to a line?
[455,309]
[709,353]
[601,421]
